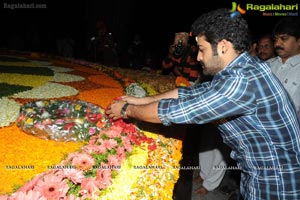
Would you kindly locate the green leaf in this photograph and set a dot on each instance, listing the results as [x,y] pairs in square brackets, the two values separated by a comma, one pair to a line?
[74,188]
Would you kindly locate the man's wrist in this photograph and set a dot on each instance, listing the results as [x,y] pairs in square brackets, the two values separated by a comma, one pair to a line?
[124,110]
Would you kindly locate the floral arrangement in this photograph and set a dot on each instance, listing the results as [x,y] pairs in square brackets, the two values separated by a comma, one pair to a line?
[87,173]
[62,120]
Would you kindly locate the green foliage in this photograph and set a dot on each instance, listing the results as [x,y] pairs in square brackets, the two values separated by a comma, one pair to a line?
[74,188]
[100,158]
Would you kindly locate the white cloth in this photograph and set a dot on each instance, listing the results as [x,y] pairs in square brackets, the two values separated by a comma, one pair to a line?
[288,74]
[212,168]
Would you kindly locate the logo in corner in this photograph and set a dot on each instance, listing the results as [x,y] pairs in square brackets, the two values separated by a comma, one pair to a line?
[236,9]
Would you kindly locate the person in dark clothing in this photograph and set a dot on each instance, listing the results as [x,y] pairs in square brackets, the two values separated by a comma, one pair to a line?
[181,60]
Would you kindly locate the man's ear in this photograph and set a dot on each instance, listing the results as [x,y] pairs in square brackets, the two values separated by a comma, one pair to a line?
[224,46]
[298,41]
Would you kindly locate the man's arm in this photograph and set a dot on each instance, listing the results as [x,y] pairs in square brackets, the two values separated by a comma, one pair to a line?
[146,112]
[150,99]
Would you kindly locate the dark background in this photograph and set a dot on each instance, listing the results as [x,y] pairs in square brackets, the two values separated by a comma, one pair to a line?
[155,21]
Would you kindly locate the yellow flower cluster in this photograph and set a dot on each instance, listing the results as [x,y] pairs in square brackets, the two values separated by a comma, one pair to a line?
[160,174]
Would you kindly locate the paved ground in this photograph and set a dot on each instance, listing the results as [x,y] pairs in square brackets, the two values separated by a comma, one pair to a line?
[228,189]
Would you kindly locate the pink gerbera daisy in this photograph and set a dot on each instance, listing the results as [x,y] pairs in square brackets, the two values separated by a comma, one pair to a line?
[4,197]
[103,177]
[121,153]
[76,176]
[31,184]
[31,195]
[52,187]
[127,144]
[114,131]
[109,144]
[83,161]
[113,160]
[97,149]
[89,187]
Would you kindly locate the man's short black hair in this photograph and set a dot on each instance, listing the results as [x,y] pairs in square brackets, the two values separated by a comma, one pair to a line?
[222,24]
[289,26]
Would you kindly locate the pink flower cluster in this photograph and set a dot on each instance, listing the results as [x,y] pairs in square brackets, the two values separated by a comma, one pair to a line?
[87,171]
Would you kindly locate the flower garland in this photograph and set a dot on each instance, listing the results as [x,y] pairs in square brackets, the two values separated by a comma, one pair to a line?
[62,120]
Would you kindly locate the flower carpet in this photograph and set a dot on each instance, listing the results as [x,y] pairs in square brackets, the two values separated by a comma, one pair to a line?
[57,142]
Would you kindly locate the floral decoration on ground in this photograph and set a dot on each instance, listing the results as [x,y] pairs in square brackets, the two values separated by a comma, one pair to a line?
[62,120]
[86,173]
[132,179]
